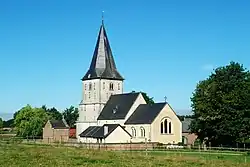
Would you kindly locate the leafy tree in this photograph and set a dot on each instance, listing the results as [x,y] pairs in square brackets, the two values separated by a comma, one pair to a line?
[149,100]
[1,123]
[9,123]
[53,113]
[30,121]
[221,106]
[71,115]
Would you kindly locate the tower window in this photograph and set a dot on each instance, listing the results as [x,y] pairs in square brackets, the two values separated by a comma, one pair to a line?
[94,95]
[85,86]
[89,95]
[90,86]
[94,86]
[111,86]
[103,85]
[119,86]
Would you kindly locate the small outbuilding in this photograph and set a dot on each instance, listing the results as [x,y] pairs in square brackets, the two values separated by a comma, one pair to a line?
[188,138]
[56,131]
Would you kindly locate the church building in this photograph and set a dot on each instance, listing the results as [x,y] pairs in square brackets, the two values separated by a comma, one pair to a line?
[108,115]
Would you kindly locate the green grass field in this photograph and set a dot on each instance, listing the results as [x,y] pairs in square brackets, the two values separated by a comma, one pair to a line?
[22,155]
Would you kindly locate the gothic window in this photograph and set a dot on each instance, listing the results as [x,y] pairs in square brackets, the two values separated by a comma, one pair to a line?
[103,85]
[161,127]
[111,86]
[90,86]
[165,126]
[142,132]
[119,86]
[133,132]
[169,128]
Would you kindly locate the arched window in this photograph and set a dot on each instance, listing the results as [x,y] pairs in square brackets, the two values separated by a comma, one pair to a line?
[169,128]
[103,85]
[119,86]
[90,86]
[133,132]
[165,126]
[142,132]
[161,127]
[111,86]
[94,86]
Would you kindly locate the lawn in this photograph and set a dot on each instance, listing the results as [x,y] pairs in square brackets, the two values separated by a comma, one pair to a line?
[22,155]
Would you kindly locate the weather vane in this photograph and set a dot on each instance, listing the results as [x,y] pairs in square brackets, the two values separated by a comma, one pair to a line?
[102,17]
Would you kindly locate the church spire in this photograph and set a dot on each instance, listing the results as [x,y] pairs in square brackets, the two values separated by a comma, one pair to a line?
[102,64]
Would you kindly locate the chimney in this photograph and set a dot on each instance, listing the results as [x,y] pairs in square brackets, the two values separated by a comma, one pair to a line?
[106,130]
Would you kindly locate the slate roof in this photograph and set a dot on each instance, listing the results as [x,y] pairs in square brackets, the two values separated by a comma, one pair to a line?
[185,125]
[145,113]
[102,64]
[118,106]
[90,131]
[98,131]
[58,124]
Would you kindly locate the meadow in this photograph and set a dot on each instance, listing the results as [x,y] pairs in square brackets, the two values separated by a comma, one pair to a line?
[31,155]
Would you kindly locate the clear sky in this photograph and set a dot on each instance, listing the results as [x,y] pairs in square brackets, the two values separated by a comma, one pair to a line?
[161,47]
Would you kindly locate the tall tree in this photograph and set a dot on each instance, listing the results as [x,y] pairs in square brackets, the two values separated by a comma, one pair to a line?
[221,106]
[1,123]
[149,100]
[30,121]
[71,115]
[53,113]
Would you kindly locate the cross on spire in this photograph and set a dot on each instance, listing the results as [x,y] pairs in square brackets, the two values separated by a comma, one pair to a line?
[165,98]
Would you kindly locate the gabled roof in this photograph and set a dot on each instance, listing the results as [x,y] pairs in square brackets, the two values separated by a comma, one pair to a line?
[145,113]
[185,125]
[118,106]
[58,124]
[98,131]
[102,64]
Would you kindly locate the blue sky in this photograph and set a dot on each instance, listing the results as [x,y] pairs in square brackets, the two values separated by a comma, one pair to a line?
[161,47]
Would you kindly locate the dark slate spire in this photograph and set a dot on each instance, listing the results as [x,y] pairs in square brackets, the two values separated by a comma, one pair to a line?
[102,64]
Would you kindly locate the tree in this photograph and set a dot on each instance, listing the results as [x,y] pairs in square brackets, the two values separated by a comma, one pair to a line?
[1,123]
[30,121]
[221,106]
[53,113]
[149,100]
[71,115]
[9,123]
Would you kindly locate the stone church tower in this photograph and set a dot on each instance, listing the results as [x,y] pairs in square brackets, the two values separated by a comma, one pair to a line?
[100,81]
